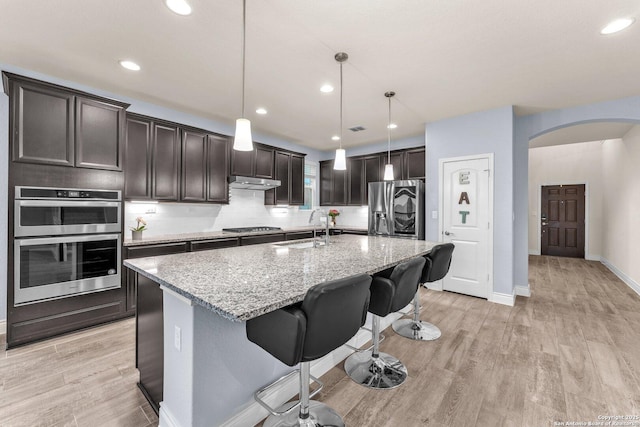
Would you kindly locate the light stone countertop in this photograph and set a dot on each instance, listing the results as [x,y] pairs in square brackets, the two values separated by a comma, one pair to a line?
[244,282]
[212,235]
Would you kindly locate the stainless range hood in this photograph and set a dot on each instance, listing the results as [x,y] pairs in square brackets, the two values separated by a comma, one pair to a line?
[250,183]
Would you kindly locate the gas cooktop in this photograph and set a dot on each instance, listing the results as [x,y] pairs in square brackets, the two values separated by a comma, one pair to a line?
[250,229]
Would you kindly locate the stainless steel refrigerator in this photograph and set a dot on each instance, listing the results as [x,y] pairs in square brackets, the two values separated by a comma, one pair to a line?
[396,208]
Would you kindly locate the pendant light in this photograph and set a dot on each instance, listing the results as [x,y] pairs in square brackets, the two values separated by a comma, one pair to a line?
[340,163]
[388,168]
[243,140]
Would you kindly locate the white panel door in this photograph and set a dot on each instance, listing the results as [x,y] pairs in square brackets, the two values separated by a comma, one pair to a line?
[466,222]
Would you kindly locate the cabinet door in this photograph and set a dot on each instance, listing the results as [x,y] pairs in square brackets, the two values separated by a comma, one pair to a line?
[339,196]
[42,124]
[243,162]
[99,134]
[371,174]
[355,178]
[326,182]
[264,162]
[137,165]
[415,164]
[282,167]
[267,238]
[194,167]
[165,162]
[397,160]
[217,169]
[296,194]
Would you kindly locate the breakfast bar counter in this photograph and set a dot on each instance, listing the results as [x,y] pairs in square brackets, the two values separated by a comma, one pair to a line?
[210,369]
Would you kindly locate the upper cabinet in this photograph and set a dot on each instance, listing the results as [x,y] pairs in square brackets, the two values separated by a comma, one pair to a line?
[54,125]
[350,187]
[258,163]
[152,161]
[205,167]
[289,170]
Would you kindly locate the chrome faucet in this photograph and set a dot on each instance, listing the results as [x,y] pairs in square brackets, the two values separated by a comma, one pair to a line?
[316,219]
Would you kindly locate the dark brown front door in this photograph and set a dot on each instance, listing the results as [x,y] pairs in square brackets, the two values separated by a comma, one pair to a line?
[562,218]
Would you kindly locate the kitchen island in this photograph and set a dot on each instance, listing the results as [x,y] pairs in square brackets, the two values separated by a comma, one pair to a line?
[210,369]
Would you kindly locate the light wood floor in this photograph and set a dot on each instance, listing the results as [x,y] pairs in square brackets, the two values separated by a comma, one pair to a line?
[570,352]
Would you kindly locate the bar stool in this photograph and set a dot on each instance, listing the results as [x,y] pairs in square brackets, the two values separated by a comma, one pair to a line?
[329,316]
[373,369]
[436,267]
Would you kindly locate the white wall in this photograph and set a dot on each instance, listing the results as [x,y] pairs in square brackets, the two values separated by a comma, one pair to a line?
[568,164]
[478,133]
[621,202]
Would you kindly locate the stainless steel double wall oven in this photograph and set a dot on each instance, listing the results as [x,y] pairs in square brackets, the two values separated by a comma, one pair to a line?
[67,242]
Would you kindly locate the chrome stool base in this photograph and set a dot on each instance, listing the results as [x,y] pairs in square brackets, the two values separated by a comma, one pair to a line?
[419,331]
[320,415]
[382,372]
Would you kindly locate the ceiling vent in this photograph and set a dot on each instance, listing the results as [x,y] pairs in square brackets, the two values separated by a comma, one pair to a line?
[356,129]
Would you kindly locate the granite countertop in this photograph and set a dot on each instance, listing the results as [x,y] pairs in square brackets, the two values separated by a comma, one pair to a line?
[210,235]
[244,282]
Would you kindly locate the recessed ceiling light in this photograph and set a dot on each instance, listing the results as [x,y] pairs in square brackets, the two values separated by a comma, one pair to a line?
[261,111]
[181,7]
[617,25]
[326,88]
[335,138]
[392,126]
[130,65]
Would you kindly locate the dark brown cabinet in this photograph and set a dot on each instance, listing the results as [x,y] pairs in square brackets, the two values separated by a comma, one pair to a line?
[152,162]
[415,164]
[99,134]
[355,178]
[59,126]
[205,167]
[217,168]
[340,188]
[258,163]
[289,170]
[264,161]
[194,166]
[333,185]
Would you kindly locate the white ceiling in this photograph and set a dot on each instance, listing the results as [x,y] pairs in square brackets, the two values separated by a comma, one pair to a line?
[443,58]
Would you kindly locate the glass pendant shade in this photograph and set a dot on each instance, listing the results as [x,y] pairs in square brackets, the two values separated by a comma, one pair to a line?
[243,140]
[340,163]
[388,172]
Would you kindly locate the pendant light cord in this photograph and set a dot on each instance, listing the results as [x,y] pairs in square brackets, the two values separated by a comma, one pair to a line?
[389,135]
[341,105]
[244,30]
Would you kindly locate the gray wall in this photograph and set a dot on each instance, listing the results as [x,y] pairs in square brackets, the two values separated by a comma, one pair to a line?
[478,133]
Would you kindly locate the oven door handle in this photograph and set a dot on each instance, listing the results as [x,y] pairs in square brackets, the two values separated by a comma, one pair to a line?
[65,239]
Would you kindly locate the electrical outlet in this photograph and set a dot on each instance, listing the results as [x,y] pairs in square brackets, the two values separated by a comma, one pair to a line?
[434,214]
[177,338]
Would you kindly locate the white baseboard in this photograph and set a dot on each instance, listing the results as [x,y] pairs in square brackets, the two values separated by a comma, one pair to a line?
[622,276]
[504,299]
[3,327]
[253,413]
[589,257]
[523,291]
[534,251]
[166,418]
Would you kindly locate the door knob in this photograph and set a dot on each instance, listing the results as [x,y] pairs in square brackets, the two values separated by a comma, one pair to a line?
[446,233]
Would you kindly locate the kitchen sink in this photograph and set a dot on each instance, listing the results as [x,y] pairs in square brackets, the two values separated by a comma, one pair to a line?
[298,245]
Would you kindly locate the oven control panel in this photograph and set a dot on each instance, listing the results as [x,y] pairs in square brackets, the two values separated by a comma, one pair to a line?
[42,193]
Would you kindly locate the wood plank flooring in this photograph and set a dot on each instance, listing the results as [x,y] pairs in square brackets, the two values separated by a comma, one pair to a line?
[87,378]
[570,352]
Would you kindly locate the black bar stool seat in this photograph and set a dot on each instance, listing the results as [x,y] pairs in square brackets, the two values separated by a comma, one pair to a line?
[329,316]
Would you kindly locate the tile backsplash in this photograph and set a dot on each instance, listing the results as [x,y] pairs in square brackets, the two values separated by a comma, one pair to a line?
[245,208]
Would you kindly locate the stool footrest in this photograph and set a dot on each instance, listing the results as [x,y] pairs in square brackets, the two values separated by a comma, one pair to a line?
[258,395]
[359,350]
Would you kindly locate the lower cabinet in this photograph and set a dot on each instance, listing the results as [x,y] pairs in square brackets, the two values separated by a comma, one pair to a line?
[265,238]
[149,340]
